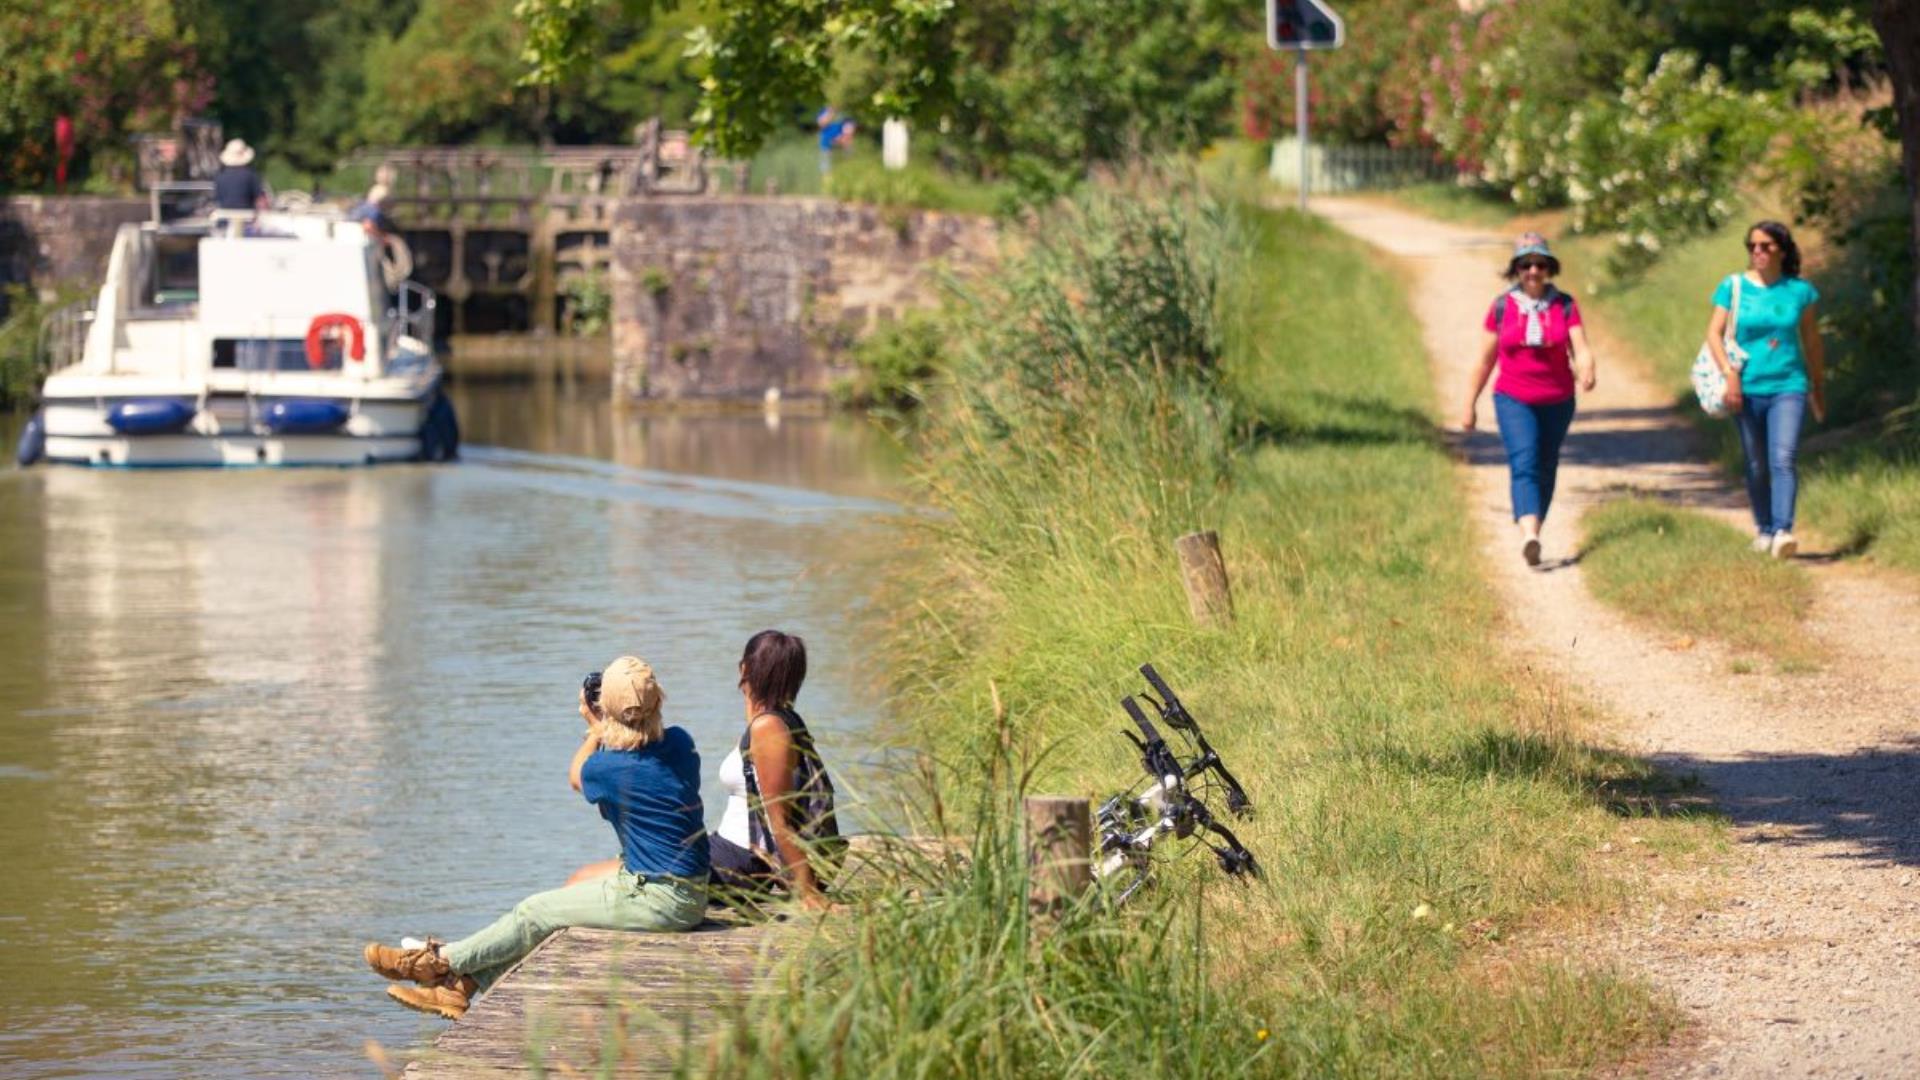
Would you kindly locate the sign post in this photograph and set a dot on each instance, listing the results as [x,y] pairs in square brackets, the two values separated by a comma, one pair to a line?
[1302,26]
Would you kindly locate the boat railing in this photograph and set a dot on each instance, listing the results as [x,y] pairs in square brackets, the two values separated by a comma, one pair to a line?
[63,335]
[411,313]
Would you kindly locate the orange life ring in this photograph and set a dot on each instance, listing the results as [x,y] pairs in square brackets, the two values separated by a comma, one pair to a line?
[317,332]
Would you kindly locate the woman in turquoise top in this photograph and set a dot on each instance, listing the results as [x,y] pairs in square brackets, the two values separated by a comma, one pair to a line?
[1777,370]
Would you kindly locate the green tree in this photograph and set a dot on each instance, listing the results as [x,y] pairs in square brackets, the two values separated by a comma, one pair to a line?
[457,73]
[1041,89]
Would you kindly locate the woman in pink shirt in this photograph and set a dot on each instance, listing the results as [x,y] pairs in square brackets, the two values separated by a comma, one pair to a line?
[1535,338]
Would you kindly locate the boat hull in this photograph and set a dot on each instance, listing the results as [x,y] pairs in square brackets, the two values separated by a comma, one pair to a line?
[228,451]
[239,432]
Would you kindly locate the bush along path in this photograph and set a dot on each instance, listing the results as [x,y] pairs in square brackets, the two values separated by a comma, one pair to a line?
[1803,957]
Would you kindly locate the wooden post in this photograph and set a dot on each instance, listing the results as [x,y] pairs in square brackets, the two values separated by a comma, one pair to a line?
[1059,840]
[1205,575]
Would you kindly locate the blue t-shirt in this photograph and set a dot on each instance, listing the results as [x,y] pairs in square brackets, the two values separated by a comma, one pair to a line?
[237,187]
[651,796]
[1769,330]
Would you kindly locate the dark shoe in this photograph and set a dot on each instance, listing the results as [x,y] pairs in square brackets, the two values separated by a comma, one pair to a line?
[1530,550]
[419,965]
[448,999]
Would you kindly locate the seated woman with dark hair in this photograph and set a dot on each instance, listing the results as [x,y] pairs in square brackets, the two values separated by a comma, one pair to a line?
[644,778]
[779,830]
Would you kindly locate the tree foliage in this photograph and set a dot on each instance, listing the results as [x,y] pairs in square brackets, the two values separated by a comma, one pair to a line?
[1038,90]
[309,81]
[113,67]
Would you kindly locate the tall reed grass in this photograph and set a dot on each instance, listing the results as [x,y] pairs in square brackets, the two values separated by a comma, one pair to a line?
[1154,362]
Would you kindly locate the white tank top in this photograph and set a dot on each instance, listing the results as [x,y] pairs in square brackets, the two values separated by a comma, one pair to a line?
[733,823]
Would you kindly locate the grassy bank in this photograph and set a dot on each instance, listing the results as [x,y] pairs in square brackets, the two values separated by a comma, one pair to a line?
[791,166]
[1443,201]
[1148,367]
[1685,573]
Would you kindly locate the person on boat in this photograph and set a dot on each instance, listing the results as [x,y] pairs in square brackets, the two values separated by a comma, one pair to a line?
[237,186]
[371,212]
[778,832]
[645,779]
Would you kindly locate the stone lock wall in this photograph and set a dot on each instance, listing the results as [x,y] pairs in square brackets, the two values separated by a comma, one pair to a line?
[726,298]
[48,241]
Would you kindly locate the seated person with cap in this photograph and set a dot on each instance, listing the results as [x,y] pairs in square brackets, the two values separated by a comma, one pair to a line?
[645,780]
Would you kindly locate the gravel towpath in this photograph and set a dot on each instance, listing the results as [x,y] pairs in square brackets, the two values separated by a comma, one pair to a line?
[1804,960]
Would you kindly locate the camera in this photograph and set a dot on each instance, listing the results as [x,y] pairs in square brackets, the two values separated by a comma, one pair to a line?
[591,687]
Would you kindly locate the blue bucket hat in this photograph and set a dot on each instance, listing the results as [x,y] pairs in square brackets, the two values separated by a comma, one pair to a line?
[1531,243]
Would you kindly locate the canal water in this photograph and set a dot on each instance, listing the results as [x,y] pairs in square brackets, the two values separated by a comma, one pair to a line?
[252,719]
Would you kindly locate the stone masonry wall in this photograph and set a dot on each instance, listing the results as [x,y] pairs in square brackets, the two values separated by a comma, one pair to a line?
[724,298]
[49,241]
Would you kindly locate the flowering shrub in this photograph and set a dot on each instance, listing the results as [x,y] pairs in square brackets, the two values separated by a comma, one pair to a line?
[1658,161]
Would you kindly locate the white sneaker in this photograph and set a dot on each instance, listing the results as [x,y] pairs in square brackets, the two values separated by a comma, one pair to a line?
[1784,545]
[1763,543]
[1530,550]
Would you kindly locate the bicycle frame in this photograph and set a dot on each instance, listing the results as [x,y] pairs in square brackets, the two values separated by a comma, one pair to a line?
[1132,822]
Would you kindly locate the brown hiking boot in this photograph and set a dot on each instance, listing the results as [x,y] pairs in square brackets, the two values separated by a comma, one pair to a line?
[419,965]
[448,999]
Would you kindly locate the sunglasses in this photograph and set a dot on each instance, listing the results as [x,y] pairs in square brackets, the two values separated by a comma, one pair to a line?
[1536,264]
[1764,245]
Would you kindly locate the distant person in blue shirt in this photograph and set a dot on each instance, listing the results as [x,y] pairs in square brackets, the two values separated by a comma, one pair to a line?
[835,131]
[371,213]
[236,186]
[645,780]
[1775,371]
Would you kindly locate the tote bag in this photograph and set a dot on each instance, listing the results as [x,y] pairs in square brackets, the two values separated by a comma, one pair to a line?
[1709,382]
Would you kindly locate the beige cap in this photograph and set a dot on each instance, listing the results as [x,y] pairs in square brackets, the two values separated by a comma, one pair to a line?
[629,694]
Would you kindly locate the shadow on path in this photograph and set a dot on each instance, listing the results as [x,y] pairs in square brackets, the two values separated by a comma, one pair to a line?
[1867,800]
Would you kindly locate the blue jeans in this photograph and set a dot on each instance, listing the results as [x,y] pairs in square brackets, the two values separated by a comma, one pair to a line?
[1533,434]
[1770,437]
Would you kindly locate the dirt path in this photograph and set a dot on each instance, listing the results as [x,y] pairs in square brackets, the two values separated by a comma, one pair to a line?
[1806,962]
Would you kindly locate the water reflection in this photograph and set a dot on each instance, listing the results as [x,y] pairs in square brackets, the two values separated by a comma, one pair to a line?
[249,718]
[835,453]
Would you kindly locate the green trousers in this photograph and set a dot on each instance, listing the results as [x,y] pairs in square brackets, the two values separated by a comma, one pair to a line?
[620,901]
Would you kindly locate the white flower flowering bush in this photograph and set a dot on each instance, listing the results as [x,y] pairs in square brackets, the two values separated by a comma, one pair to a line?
[1659,162]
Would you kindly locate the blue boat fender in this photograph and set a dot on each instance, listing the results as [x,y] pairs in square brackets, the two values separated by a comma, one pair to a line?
[304,417]
[151,416]
[33,441]
[440,431]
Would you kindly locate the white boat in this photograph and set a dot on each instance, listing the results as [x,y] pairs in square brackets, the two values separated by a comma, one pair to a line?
[244,339]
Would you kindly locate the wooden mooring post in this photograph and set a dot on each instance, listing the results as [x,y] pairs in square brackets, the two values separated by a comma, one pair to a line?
[1059,840]
[1204,573]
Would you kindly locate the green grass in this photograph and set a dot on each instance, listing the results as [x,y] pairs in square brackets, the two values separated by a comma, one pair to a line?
[1694,577]
[1480,206]
[792,167]
[1141,371]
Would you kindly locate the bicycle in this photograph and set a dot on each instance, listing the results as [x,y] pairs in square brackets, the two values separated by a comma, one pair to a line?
[1169,803]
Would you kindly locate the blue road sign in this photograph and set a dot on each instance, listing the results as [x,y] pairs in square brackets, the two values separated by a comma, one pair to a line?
[1303,24]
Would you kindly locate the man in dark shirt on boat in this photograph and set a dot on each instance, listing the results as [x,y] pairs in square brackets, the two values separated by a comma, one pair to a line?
[236,186]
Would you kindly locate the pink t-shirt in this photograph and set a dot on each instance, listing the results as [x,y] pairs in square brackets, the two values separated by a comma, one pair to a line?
[1536,374]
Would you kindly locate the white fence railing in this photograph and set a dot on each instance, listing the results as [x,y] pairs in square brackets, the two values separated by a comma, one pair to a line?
[1355,168]
[63,335]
